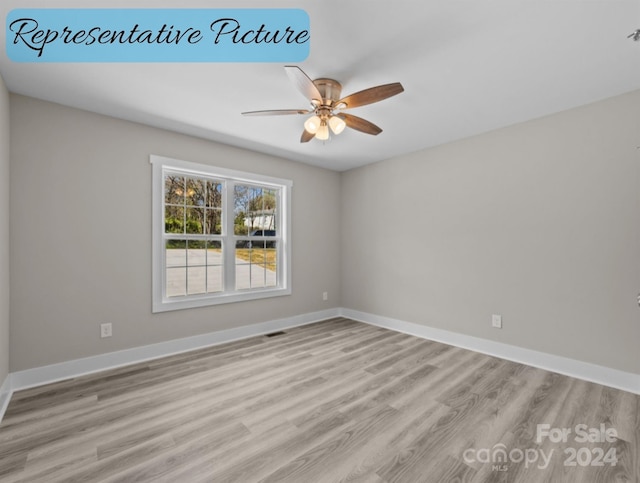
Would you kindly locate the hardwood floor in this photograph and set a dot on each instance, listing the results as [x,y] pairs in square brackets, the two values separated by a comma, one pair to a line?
[332,401]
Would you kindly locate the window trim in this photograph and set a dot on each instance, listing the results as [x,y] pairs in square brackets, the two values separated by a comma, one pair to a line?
[161,303]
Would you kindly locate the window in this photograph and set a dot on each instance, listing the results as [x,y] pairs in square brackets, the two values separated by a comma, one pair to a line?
[219,235]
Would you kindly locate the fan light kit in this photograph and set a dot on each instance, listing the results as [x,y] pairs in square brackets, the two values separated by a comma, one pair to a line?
[318,126]
[326,105]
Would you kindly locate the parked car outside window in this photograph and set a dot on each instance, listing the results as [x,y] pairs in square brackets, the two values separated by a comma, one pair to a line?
[258,243]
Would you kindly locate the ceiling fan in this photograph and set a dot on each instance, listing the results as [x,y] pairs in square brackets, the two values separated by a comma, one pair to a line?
[327,106]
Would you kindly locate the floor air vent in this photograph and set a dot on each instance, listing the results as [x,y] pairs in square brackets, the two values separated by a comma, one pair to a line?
[273,334]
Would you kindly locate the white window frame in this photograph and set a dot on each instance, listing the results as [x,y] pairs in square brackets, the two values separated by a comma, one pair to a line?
[162,303]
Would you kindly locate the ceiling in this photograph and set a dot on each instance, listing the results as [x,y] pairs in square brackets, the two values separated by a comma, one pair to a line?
[467,67]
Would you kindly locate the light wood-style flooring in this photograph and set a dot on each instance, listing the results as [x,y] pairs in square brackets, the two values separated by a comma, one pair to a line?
[332,401]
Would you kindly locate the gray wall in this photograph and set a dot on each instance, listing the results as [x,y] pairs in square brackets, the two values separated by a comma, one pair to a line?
[539,222]
[81,235]
[4,231]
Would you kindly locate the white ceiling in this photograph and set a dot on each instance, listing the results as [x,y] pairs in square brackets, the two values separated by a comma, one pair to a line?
[467,67]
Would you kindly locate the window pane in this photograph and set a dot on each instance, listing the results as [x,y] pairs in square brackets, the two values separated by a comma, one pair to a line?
[176,253]
[241,199]
[243,265]
[271,260]
[214,266]
[243,276]
[195,193]
[176,282]
[196,280]
[214,246]
[214,194]
[255,196]
[269,208]
[214,253]
[214,278]
[174,189]
[269,264]
[213,222]
[195,221]
[173,219]
[254,212]
[196,253]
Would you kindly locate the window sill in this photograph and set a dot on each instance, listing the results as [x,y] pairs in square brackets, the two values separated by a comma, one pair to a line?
[191,301]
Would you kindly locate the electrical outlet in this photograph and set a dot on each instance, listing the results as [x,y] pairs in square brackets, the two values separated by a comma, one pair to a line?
[325,295]
[496,321]
[106,330]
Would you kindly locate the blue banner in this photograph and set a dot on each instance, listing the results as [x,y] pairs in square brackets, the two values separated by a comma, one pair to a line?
[157,35]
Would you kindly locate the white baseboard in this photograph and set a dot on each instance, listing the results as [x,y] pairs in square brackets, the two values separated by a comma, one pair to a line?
[6,390]
[606,376]
[80,367]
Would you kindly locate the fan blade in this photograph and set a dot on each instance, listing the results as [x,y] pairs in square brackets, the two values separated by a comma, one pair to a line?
[306,136]
[303,83]
[371,95]
[276,112]
[359,124]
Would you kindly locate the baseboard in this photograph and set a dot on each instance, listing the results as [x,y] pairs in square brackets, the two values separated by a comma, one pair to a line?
[606,376]
[89,365]
[6,390]
[79,367]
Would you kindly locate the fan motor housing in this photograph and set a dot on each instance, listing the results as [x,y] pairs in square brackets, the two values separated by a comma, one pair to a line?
[330,90]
